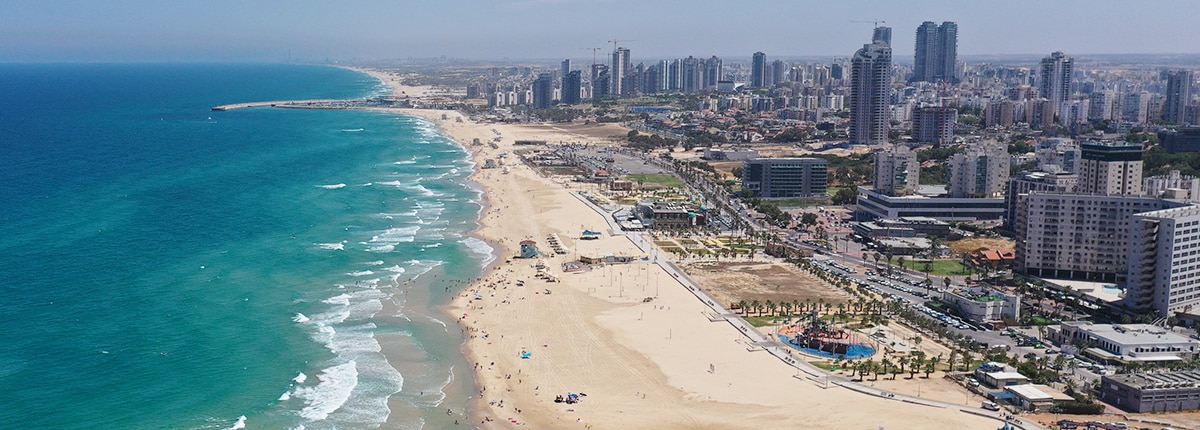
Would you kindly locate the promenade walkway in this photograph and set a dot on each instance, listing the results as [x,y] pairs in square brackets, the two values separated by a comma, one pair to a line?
[756,340]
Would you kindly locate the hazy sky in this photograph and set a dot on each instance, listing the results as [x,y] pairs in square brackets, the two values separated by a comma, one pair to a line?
[267,30]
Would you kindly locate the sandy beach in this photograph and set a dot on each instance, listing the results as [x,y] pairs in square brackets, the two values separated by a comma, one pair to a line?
[638,347]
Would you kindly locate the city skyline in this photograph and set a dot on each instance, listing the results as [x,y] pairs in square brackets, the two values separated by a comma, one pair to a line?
[537,29]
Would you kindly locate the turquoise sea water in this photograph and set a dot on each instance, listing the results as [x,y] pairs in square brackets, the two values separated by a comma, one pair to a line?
[164,266]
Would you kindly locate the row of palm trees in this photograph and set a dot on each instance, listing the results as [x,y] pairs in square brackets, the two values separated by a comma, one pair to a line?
[915,362]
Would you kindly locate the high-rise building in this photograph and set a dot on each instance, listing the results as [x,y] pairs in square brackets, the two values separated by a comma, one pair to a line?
[712,74]
[999,113]
[1100,106]
[543,91]
[933,124]
[936,53]
[571,86]
[897,172]
[758,70]
[1161,273]
[778,74]
[600,86]
[1055,78]
[618,72]
[882,35]
[692,76]
[1135,107]
[1111,168]
[785,177]
[870,84]
[1078,236]
[1179,96]
[564,68]
[1028,182]
[980,171]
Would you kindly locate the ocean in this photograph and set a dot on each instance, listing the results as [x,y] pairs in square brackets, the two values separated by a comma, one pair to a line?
[166,266]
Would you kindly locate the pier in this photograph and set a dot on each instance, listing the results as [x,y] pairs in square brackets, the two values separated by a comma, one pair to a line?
[315,104]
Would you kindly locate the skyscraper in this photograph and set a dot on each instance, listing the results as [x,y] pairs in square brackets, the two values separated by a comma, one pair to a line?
[712,73]
[1055,79]
[758,70]
[870,81]
[882,34]
[778,72]
[620,68]
[1179,95]
[571,86]
[936,53]
[543,91]
[947,49]
[564,68]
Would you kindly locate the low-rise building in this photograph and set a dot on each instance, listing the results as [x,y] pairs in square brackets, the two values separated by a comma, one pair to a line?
[1035,397]
[999,375]
[1126,343]
[981,305]
[668,215]
[874,205]
[904,227]
[1152,392]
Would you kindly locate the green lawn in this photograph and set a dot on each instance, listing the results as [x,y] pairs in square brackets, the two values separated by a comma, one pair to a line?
[660,179]
[940,267]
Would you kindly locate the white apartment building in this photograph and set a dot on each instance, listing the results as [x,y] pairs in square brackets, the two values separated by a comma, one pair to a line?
[897,172]
[1164,262]
[979,171]
[1079,236]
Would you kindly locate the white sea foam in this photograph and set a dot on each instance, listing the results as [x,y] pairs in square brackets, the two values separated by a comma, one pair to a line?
[387,240]
[395,269]
[481,249]
[240,424]
[300,318]
[404,162]
[352,130]
[374,263]
[340,246]
[361,273]
[432,245]
[332,187]
[300,378]
[336,385]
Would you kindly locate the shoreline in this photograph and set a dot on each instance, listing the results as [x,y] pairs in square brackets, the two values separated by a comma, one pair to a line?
[652,363]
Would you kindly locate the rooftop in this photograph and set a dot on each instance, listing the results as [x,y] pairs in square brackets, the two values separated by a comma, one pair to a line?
[1159,381]
[1130,334]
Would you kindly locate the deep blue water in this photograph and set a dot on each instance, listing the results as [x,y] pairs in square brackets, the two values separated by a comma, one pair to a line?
[162,265]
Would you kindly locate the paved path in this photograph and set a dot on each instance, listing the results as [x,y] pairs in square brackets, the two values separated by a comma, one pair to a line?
[758,341]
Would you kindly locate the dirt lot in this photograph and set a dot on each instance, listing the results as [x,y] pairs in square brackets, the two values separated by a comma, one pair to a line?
[730,282]
[971,244]
[593,130]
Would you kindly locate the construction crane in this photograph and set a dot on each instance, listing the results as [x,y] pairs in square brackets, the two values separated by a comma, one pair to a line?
[593,54]
[873,23]
[615,41]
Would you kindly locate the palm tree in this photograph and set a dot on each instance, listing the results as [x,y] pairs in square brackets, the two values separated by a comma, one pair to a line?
[946,281]
[877,258]
[900,262]
[770,305]
[950,360]
[756,305]
[885,365]
[931,365]
[927,267]
[741,304]
[828,308]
